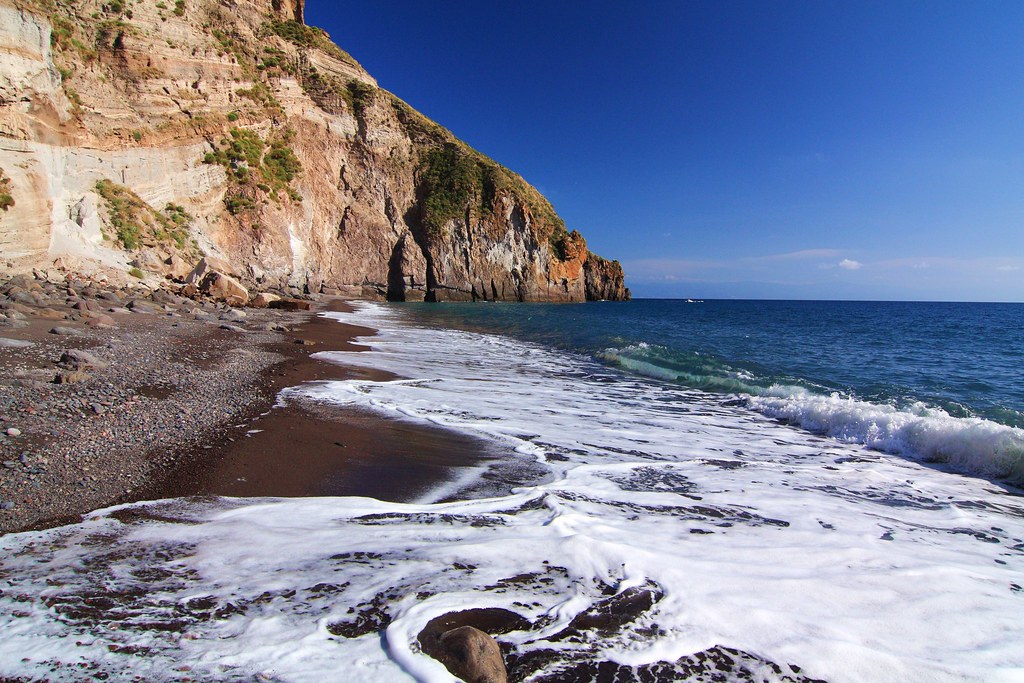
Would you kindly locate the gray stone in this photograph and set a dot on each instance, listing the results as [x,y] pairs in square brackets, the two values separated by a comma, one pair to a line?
[86,305]
[138,306]
[14,343]
[110,297]
[164,297]
[66,331]
[27,298]
[76,359]
[13,431]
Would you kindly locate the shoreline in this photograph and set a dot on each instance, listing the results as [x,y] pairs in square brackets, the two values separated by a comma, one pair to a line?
[167,401]
[299,448]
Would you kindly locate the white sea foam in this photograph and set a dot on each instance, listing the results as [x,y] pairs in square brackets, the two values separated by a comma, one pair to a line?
[755,535]
[969,445]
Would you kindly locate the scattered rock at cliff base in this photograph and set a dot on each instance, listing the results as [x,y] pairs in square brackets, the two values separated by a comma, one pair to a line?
[101,321]
[176,267]
[87,305]
[140,306]
[290,304]
[264,300]
[71,377]
[206,265]
[224,288]
[14,343]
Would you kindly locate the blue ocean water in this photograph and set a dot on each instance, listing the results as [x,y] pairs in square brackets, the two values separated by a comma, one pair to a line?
[916,377]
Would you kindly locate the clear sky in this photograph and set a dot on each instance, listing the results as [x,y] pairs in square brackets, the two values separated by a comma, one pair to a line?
[775,149]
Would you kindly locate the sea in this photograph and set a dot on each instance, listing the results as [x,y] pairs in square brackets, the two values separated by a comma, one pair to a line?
[688,490]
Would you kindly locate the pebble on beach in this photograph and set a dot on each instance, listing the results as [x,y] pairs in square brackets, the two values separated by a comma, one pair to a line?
[109,401]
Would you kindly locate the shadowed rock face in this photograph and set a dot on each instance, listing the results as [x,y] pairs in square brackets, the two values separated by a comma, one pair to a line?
[150,138]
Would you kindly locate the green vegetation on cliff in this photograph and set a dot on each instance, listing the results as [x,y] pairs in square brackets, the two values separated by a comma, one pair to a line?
[330,92]
[269,166]
[6,198]
[300,35]
[451,182]
[454,178]
[134,220]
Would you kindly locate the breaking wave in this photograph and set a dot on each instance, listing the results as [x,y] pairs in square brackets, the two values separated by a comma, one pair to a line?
[971,445]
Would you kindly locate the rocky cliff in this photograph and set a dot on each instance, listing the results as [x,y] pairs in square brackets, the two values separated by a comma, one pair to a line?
[138,135]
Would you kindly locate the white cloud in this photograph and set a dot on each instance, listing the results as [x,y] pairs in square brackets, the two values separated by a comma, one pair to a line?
[849,264]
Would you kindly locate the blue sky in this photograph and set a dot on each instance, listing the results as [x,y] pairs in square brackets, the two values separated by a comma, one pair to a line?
[786,149]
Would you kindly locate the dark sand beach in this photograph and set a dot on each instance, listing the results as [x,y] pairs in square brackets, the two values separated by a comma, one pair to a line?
[299,448]
[180,398]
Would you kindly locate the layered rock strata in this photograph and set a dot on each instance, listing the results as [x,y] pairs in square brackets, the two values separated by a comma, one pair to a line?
[140,136]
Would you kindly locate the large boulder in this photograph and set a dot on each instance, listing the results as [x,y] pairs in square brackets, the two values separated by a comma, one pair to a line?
[176,268]
[291,304]
[263,300]
[224,288]
[206,265]
[472,655]
[101,321]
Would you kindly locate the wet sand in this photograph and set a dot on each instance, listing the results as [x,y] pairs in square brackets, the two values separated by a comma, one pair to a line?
[301,448]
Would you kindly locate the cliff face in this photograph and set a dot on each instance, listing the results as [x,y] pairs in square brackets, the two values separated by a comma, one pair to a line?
[138,134]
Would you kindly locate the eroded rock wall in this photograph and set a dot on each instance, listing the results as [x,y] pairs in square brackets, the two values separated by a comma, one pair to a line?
[138,136]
